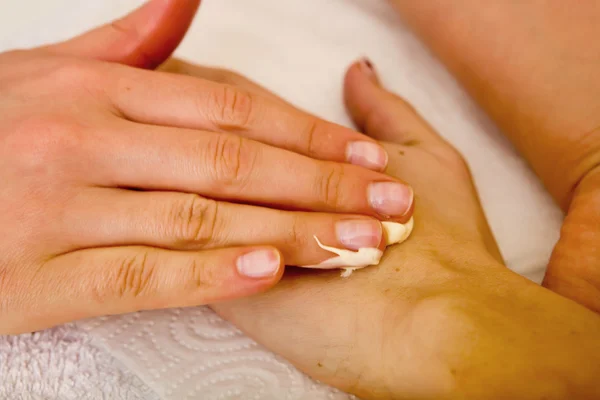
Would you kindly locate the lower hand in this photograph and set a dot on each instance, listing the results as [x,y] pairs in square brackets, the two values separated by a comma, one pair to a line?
[440,317]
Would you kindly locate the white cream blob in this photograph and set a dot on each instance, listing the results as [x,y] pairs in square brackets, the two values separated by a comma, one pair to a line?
[349,260]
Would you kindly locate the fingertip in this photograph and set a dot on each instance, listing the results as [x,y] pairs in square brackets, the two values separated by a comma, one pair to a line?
[360,73]
[357,233]
[262,263]
[143,38]
[367,154]
[359,84]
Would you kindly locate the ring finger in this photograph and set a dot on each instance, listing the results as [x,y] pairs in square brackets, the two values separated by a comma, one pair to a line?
[180,221]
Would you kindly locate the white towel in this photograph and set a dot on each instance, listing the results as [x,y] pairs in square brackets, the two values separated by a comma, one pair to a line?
[299,49]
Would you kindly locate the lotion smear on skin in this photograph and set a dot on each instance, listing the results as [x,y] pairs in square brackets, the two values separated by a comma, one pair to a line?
[351,260]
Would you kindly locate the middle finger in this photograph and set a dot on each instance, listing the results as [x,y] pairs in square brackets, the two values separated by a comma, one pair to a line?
[228,167]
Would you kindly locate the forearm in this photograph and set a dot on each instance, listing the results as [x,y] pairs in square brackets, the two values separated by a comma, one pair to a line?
[533,66]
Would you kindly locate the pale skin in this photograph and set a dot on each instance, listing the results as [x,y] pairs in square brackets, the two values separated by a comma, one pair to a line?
[123,188]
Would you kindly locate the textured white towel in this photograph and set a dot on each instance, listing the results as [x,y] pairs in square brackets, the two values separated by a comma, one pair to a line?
[299,49]
[62,363]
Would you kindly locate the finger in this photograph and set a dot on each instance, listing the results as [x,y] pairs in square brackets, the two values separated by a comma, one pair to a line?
[144,38]
[574,268]
[181,101]
[116,217]
[381,114]
[119,280]
[229,167]
[176,66]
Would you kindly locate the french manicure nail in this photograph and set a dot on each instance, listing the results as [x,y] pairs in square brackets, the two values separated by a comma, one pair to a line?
[390,199]
[367,154]
[355,234]
[259,263]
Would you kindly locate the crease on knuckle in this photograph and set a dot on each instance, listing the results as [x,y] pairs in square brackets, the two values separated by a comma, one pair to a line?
[134,275]
[231,158]
[203,277]
[295,238]
[310,136]
[234,108]
[330,185]
[193,221]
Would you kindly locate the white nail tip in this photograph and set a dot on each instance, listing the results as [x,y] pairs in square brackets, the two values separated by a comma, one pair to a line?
[349,260]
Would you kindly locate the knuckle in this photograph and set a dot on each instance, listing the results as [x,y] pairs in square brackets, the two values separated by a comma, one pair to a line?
[296,239]
[202,275]
[134,276]
[231,159]
[312,128]
[45,140]
[329,185]
[74,73]
[193,221]
[233,107]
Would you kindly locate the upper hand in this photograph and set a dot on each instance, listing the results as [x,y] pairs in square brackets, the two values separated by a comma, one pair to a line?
[121,187]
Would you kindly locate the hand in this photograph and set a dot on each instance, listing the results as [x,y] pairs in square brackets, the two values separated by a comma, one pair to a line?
[440,317]
[122,188]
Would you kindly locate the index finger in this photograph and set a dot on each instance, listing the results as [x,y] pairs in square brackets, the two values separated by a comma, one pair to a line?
[166,99]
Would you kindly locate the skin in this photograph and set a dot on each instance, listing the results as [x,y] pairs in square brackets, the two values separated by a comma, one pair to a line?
[123,188]
[533,66]
[426,322]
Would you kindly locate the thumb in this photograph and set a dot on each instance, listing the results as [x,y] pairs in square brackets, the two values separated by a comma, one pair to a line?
[574,269]
[144,38]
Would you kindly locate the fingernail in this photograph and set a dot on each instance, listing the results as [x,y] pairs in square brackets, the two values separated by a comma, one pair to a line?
[367,68]
[355,234]
[259,264]
[390,199]
[367,154]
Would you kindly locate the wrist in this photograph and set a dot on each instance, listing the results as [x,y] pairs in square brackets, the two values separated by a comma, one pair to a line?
[495,336]
[522,341]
